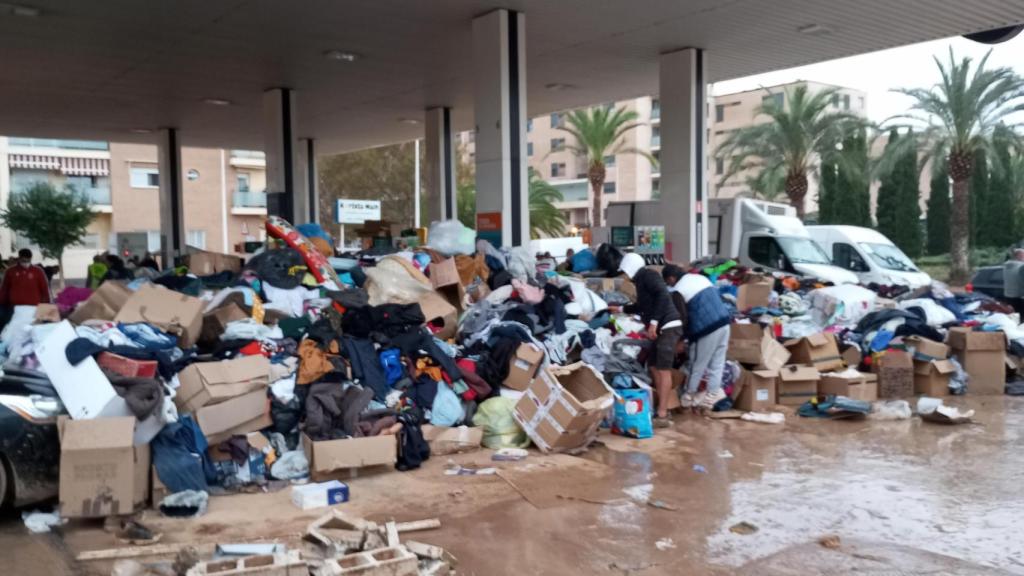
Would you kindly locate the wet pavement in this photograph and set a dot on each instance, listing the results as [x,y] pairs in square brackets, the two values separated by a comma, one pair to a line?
[706,497]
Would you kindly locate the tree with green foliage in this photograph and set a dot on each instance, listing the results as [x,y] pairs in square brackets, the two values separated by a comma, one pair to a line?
[828,191]
[996,223]
[769,183]
[845,196]
[899,197]
[50,218]
[938,211]
[978,194]
[545,217]
[888,192]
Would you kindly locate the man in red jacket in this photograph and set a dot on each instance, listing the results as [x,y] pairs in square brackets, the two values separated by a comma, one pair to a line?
[23,283]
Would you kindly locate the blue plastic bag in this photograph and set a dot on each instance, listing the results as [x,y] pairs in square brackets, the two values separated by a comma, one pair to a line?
[584,261]
[391,363]
[631,416]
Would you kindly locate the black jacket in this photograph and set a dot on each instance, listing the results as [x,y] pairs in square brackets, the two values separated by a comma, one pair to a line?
[652,299]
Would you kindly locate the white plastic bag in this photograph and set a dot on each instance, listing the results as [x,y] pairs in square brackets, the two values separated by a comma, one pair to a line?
[450,237]
[844,305]
[522,264]
[935,313]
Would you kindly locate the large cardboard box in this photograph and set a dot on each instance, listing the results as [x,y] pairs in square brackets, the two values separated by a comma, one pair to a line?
[757,390]
[446,440]
[895,370]
[756,291]
[926,350]
[327,456]
[203,263]
[205,383]
[103,304]
[101,472]
[982,354]
[932,378]
[867,390]
[839,383]
[172,312]
[797,384]
[239,415]
[818,350]
[440,314]
[522,367]
[753,345]
[563,407]
[215,321]
[444,276]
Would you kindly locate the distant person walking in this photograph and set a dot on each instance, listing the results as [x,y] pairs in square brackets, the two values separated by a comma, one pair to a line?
[96,271]
[24,284]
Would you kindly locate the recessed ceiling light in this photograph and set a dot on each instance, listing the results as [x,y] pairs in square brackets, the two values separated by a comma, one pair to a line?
[217,101]
[408,121]
[19,10]
[558,86]
[341,55]
[814,29]
[141,131]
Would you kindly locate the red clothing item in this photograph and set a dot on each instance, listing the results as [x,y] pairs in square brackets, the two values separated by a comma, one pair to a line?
[24,286]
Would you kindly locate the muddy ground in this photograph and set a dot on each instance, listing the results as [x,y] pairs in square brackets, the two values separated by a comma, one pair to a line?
[903,498]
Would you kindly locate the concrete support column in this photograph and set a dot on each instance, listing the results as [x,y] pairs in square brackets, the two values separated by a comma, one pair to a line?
[172,206]
[285,183]
[310,188]
[684,141]
[499,63]
[441,203]
[6,236]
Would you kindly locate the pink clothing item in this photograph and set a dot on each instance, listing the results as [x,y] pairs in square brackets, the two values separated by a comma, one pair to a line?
[527,293]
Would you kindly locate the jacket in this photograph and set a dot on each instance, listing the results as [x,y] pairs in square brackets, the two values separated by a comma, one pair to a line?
[705,311]
[24,286]
[652,299]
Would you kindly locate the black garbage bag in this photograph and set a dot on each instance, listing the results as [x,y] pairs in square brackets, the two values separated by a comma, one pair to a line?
[608,258]
[282,268]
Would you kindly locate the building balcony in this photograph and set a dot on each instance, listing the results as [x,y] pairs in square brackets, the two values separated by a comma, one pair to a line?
[58,143]
[249,202]
[248,159]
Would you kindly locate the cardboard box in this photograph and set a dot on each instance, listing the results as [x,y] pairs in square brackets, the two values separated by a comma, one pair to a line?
[753,345]
[440,314]
[797,384]
[852,356]
[926,350]
[326,456]
[240,415]
[103,304]
[818,350]
[757,391]
[895,370]
[205,383]
[839,383]
[932,378]
[444,273]
[982,355]
[101,472]
[172,312]
[46,314]
[563,407]
[446,440]
[127,367]
[319,495]
[522,367]
[867,390]
[216,320]
[203,263]
[755,291]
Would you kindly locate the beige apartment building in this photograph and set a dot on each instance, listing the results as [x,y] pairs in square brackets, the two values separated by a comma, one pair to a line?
[224,193]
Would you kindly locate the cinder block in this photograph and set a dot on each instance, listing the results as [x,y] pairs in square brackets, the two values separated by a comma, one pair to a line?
[338,530]
[289,564]
[381,562]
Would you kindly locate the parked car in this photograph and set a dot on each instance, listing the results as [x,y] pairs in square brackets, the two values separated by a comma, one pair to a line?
[29,443]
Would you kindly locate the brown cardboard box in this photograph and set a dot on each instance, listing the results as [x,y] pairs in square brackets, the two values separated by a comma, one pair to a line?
[757,390]
[47,313]
[203,263]
[239,415]
[327,456]
[172,312]
[753,345]
[982,354]
[216,320]
[205,383]
[818,350]
[440,313]
[523,366]
[797,384]
[839,383]
[103,304]
[756,291]
[932,378]
[895,371]
[446,440]
[852,356]
[926,350]
[444,273]
[563,407]
[101,472]
[867,390]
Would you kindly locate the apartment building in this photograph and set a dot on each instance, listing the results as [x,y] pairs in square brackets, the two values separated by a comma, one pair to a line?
[224,193]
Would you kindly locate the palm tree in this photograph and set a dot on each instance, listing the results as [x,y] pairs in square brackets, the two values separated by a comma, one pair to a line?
[800,127]
[545,217]
[769,184]
[958,116]
[598,132]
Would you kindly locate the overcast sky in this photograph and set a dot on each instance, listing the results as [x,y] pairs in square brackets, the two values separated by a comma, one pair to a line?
[878,72]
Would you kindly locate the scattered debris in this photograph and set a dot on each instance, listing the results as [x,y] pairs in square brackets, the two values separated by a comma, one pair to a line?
[764,417]
[744,528]
[467,471]
[700,469]
[725,455]
[831,542]
[890,410]
[933,410]
[135,533]
[509,455]
[665,544]
[40,522]
[288,563]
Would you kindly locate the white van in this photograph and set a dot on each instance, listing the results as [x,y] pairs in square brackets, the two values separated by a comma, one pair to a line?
[868,254]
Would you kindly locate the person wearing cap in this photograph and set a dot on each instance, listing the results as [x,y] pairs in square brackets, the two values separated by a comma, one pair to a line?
[664,326]
[706,326]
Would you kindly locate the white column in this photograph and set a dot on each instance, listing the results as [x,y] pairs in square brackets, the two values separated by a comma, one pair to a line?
[285,182]
[172,212]
[441,203]
[309,188]
[684,141]
[499,63]
[6,237]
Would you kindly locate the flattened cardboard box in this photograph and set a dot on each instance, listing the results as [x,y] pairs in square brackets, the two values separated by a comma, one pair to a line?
[216,321]
[329,455]
[523,365]
[797,384]
[753,345]
[101,472]
[206,383]
[103,304]
[982,354]
[446,440]
[818,350]
[563,407]
[757,392]
[932,378]
[240,415]
[172,312]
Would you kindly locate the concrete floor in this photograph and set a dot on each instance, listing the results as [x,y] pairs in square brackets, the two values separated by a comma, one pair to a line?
[903,498]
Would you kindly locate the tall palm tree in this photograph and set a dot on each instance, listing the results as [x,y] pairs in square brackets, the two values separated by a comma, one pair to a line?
[768,184]
[599,133]
[800,126]
[545,217]
[958,116]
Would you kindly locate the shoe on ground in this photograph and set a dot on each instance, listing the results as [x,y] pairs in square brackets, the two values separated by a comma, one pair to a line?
[662,422]
[712,398]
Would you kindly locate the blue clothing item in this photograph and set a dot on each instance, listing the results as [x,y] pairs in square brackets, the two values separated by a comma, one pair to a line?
[391,362]
[494,263]
[314,230]
[584,261]
[365,366]
[147,336]
[705,313]
[447,408]
[881,340]
[180,457]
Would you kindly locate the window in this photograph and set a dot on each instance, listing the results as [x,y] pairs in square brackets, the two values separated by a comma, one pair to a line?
[845,256]
[153,241]
[557,169]
[719,166]
[529,124]
[846,101]
[779,99]
[91,241]
[82,183]
[860,102]
[197,239]
[529,148]
[242,181]
[145,177]
[609,187]
[472,135]
[657,158]
[557,144]
[655,108]
[720,113]
[557,119]
[765,251]
[835,100]
[656,136]
[609,161]
[655,188]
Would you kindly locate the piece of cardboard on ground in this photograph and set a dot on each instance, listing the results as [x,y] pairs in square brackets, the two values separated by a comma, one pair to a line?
[563,407]
[757,390]
[103,304]
[982,355]
[753,345]
[327,456]
[446,440]
[101,472]
[755,292]
[440,314]
[819,350]
[523,366]
[203,263]
[215,321]
[239,415]
[173,312]
[206,383]
[797,384]
[932,378]
[895,370]
[852,356]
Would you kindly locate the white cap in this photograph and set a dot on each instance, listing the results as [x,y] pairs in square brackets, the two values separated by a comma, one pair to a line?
[631,264]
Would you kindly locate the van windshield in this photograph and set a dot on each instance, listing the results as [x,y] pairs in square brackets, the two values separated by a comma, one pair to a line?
[889,257]
[802,250]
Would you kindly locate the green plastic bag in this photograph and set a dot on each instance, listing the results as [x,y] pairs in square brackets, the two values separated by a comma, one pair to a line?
[500,429]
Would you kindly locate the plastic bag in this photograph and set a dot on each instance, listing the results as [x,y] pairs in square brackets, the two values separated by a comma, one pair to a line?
[958,380]
[500,427]
[521,264]
[891,410]
[450,237]
[584,261]
[395,281]
[632,414]
[935,314]
[585,302]
[608,259]
[844,305]
[290,466]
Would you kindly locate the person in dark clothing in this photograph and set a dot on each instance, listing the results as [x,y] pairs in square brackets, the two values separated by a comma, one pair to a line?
[664,326]
[116,269]
[150,262]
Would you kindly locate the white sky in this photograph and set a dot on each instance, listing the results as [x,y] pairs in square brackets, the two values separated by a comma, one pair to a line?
[877,73]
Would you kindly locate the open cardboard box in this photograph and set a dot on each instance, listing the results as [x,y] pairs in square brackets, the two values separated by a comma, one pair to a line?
[819,350]
[754,292]
[797,384]
[753,345]
[170,311]
[563,407]
[982,354]
[239,415]
[349,454]
[101,472]
[932,378]
[103,304]
[523,366]
[440,313]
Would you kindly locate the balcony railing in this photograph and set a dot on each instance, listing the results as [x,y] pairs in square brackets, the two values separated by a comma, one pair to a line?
[656,141]
[255,154]
[99,196]
[58,143]
[250,199]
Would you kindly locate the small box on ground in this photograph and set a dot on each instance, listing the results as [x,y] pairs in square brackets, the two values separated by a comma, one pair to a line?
[895,370]
[818,350]
[753,345]
[205,383]
[127,367]
[444,277]
[326,456]
[757,390]
[932,378]
[101,472]
[170,311]
[522,367]
[319,494]
[797,384]
[446,440]
[982,355]
[754,292]
[563,407]
[239,415]
[103,304]
[46,314]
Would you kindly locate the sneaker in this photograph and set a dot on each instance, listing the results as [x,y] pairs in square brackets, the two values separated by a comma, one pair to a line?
[686,400]
[662,422]
[712,398]
[698,399]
